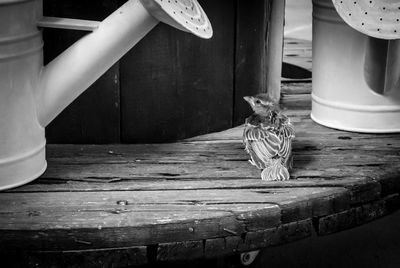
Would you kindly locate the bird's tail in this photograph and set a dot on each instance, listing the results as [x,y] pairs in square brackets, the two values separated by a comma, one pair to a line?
[275,172]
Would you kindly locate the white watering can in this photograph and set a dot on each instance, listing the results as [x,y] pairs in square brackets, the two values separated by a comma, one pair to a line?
[356,65]
[31,95]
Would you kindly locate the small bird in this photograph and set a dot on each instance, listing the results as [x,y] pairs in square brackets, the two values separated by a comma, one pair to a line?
[267,137]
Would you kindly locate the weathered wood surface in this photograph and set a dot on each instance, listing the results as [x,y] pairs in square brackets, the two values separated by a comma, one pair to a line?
[251,70]
[275,48]
[198,197]
[182,86]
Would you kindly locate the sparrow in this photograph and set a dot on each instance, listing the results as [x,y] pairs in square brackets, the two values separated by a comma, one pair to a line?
[267,138]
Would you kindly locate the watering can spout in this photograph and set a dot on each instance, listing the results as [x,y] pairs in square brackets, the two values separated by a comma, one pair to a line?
[72,72]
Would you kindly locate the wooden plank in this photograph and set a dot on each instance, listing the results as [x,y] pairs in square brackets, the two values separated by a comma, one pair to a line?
[308,132]
[296,96]
[94,117]
[66,23]
[307,165]
[297,60]
[111,257]
[169,251]
[180,215]
[315,206]
[285,233]
[175,85]
[275,48]
[358,215]
[63,220]
[365,192]
[389,180]
[299,101]
[298,52]
[253,22]
[185,214]
[85,9]
[107,204]
[47,209]
[362,188]
[296,88]
[217,247]
[99,238]
[269,237]
[89,184]
[186,250]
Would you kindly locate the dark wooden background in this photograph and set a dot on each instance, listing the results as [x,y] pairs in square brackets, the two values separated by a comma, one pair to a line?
[171,85]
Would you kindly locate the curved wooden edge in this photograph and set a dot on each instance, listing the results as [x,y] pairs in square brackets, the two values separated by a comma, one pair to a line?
[343,196]
[251,238]
[215,247]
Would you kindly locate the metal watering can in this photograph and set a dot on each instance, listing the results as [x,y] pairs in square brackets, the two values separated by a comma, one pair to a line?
[32,95]
[356,65]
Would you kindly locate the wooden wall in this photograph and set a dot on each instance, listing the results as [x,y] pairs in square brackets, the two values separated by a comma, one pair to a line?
[171,85]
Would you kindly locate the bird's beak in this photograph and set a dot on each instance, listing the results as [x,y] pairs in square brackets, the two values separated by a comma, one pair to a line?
[249,99]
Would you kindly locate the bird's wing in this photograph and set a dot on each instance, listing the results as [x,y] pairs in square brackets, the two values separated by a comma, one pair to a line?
[286,135]
[262,144]
[287,129]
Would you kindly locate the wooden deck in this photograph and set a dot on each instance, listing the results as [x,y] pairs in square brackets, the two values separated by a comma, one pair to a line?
[297,60]
[137,204]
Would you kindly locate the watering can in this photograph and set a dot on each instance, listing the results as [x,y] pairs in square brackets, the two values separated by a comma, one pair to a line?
[356,65]
[32,95]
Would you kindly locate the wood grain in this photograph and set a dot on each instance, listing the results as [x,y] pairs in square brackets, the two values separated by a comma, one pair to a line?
[357,215]
[253,22]
[199,197]
[297,60]
[111,257]
[182,86]
[260,239]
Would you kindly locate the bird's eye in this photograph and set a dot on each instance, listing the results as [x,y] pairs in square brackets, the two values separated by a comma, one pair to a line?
[258,101]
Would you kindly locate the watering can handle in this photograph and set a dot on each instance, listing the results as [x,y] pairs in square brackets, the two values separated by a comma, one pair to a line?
[392,79]
[382,65]
[70,24]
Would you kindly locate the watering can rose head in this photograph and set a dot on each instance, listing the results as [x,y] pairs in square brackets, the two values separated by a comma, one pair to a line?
[186,15]
[377,18]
